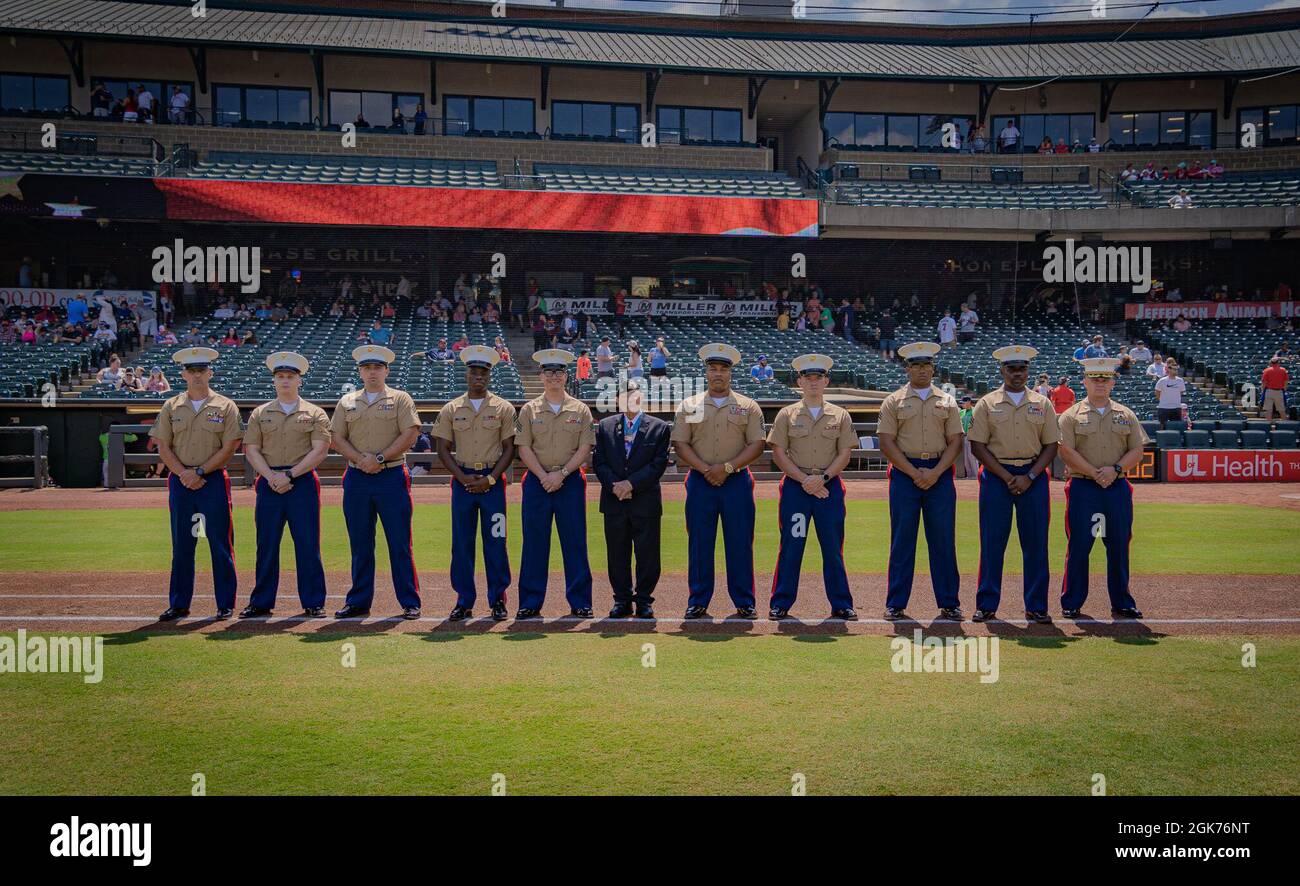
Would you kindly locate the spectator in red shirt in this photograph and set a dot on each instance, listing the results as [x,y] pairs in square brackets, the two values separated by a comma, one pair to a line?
[1283,291]
[1062,396]
[1275,378]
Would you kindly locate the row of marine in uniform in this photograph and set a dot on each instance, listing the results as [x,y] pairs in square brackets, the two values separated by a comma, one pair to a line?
[1014,433]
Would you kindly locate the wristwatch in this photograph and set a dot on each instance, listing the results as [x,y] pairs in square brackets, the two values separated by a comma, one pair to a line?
[564,472]
[1032,476]
[826,478]
[1119,472]
[492,481]
[729,468]
[199,472]
[379,457]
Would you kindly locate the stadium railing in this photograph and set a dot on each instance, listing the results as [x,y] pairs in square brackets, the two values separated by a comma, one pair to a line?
[38,458]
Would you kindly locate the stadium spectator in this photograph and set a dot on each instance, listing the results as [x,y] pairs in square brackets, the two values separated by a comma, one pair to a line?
[1157,367]
[179,106]
[144,103]
[101,100]
[1044,386]
[583,371]
[659,355]
[1061,147]
[1125,366]
[604,359]
[1094,146]
[1182,324]
[77,309]
[361,122]
[1283,291]
[1181,200]
[231,337]
[634,367]
[8,332]
[1169,395]
[420,120]
[70,332]
[1095,349]
[106,334]
[157,382]
[969,466]
[1274,380]
[620,312]
[378,334]
[30,335]
[761,372]
[111,374]
[1140,352]
[827,319]
[440,354]
[1009,137]
[885,334]
[947,329]
[194,338]
[1077,147]
[1196,171]
[1062,396]
[967,323]
[130,381]
[461,344]
[978,140]
[250,338]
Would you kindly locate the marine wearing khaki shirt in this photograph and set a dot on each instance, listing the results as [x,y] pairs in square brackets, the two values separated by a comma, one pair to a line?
[920,427]
[554,436]
[286,439]
[372,427]
[197,436]
[476,437]
[1101,439]
[813,443]
[718,433]
[1014,434]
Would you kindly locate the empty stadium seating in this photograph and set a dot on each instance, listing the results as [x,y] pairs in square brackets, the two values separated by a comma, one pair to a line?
[1235,189]
[968,195]
[25,369]
[1231,352]
[343,169]
[74,164]
[633,180]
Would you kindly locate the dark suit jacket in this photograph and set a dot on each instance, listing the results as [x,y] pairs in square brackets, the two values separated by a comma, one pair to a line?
[643,466]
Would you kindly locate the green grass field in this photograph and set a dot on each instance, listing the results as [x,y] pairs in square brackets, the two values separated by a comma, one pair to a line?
[442,712]
[1245,540]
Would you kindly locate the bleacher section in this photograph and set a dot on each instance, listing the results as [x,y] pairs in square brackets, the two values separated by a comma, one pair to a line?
[1231,352]
[74,164]
[1236,189]
[343,169]
[968,195]
[633,180]
[328,343]
[25,369]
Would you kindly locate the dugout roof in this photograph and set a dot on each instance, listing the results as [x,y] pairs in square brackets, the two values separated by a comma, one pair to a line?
[600,43]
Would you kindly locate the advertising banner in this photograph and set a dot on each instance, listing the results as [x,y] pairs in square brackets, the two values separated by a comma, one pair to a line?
[49,298]
[1210,310]
[1231,465]
[667,307]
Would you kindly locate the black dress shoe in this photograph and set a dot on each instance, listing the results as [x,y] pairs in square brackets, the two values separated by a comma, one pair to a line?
[1040,618]
[528,613]
[410,613]
[748,612]
[694,612]
[581,613]
[776,613]
[172,613]
[984,615]
[1126,612]
[621,610]
[352,612]
[645,610]
[499,612]
[951,613]
[254,612]
[460,613]
[848,614]
[1072,613]
[223,614]
[314,612]
[894,613]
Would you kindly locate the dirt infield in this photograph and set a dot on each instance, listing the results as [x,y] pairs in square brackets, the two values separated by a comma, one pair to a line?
[1264,495]
[1173,605]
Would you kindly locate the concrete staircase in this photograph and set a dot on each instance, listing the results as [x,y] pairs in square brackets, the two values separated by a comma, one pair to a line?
[521,351]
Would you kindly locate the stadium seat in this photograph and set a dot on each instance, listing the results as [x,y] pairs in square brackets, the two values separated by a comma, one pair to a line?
[1254,440]
[1225,439]
[1196,439]
[1169,439]
[1283,439]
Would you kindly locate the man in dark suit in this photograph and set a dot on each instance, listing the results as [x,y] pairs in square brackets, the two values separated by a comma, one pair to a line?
[630,458]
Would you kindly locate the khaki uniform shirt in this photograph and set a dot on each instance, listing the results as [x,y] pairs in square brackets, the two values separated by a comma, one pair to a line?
[286,439]
[197,436]
[1101,439]
[476,437]
[554,436]
[718,433]
[372,427]
[1014,433]
[920,427]
[812,444]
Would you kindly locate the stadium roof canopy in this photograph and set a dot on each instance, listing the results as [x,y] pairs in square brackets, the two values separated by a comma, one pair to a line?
[608,42]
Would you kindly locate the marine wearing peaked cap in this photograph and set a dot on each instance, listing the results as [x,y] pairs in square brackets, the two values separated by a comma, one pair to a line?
[480,356]
[1015,355]
[919,352]
[287,360]
[373,354]
[811,364]
[718,352]
[196,358]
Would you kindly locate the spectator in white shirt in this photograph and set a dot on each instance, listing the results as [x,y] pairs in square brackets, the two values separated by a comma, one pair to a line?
[1181,200]
[969,320]
[144,99]
[1009,137]
[947,330]
[1169,395]
[180,103]
[1157,367]
[1140,353]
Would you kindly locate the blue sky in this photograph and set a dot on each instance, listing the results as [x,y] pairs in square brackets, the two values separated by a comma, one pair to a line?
[904,10]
